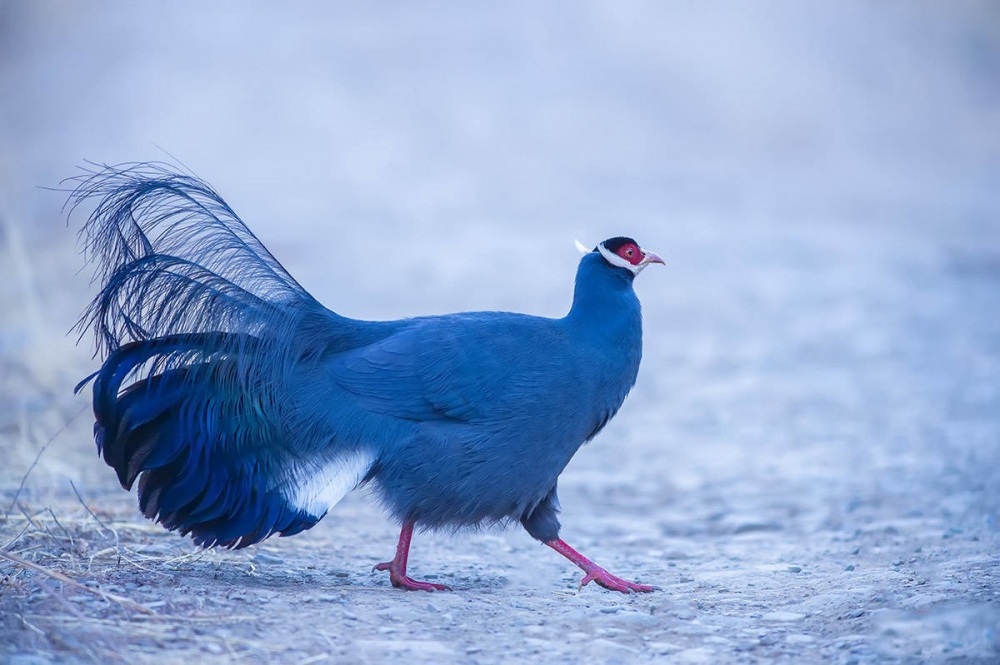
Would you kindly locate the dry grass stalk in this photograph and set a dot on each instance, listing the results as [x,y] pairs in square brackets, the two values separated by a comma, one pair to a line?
[56,575]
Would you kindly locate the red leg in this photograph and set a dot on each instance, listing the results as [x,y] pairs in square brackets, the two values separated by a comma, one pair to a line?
[594,572]
[397,567]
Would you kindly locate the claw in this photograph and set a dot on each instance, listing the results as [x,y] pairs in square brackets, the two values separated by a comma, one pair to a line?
[613,582]
[597,574]
[401,580]
[409,584]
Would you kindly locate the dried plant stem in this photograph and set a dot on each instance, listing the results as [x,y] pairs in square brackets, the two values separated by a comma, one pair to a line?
[124,602]
[27,473]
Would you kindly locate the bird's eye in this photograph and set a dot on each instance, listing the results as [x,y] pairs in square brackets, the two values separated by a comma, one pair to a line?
[630,252]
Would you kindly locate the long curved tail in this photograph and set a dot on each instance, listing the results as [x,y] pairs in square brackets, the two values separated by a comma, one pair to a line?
[215,337]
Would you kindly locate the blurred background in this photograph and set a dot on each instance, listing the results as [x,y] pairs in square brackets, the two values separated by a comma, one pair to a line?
[822,179]
[823,182]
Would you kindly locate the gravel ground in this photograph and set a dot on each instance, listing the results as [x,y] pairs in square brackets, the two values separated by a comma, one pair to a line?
[813,482]
[808,466]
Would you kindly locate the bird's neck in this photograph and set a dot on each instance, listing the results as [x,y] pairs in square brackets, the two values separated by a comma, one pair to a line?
[604,303]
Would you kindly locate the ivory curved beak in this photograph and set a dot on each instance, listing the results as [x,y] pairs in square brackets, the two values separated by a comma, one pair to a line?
[652,257]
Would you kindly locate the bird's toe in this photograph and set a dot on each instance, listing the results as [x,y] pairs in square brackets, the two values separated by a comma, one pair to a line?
[643,588]
[409,584]
[614,583]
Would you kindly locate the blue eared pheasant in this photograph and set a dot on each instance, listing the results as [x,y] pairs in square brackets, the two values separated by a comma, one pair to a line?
[244,408]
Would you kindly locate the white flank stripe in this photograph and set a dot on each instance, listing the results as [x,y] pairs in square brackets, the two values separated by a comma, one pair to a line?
[319,489]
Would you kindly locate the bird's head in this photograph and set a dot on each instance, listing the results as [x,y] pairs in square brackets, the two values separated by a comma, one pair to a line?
[624,253]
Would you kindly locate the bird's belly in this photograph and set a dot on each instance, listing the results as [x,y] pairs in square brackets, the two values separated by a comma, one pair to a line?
[469,477]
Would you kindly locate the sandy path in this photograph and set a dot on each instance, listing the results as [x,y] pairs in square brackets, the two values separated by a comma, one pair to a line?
[815,482]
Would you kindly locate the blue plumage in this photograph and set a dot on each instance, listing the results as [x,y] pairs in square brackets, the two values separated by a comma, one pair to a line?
[250,409]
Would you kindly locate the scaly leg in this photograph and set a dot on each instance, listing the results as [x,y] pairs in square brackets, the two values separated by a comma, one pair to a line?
[397,567]
[594,572]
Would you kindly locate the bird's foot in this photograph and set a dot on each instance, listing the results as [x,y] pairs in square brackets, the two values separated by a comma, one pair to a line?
[613,582]
[595,573]
[401,580]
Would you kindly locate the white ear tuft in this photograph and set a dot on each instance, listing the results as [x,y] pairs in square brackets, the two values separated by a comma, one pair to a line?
[580,247]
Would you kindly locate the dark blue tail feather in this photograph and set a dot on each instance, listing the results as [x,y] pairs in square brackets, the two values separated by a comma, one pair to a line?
[211,330]
[187,441]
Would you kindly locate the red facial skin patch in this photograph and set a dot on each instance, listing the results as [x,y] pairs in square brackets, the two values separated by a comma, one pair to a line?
[631,253]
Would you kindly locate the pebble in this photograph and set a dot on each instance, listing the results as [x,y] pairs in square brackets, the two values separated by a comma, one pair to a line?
[849,568]
[756,527]
[795,569]
[662,648]
[264,557]
[636,618]
[28,659]
[800,639]
[601,644]
[696,655]
[716,639]
[694,629]
[401,615]
[783,616]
